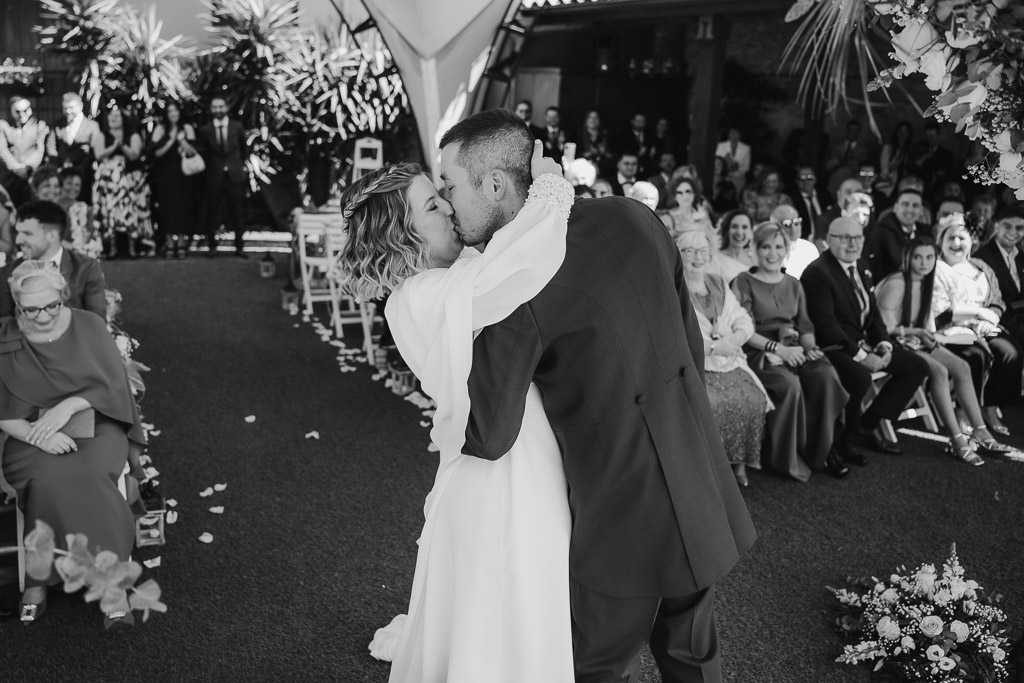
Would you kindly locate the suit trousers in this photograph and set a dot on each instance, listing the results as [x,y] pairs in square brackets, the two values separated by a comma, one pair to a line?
[227,194]
[907,371]
[609,634]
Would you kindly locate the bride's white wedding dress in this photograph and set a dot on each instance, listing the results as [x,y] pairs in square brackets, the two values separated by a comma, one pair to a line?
[490,595]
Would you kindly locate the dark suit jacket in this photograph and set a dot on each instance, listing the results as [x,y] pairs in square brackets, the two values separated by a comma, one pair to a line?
[615,348]
[86,284]
[660,182]
[80,154]
[990,254]
[833,308]
[886,243]
[808,227]
[228,162]
[538,132]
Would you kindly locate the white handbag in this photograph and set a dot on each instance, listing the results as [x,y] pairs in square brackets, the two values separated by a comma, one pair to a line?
[192,165]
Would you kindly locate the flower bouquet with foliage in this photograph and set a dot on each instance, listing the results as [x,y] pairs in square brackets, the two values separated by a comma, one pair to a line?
[105,578]
[126,345]
[970,52]
[925,626]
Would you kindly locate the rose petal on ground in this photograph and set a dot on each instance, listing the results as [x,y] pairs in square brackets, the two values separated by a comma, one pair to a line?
[171,517]
[152,564]
[250,418]
[170,502]
[433,448]
[206,537]
[219,487]
[217,509]
[208,491]
[313,435]
[154,432]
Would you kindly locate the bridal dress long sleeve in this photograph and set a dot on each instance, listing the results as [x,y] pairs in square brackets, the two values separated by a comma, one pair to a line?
[490,594]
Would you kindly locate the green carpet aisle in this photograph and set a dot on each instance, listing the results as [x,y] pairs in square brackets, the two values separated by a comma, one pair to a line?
[316,545]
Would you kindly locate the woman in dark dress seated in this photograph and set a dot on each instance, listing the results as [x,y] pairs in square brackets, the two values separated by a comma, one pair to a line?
[60,371]
[787,360]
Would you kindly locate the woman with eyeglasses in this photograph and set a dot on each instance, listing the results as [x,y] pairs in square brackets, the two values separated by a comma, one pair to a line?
[67,409]
[686,211]
[809,399]
[905,304]
[967,296]
[736,253]
[737,397]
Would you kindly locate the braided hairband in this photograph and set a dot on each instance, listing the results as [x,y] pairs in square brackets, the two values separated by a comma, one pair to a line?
[359,198]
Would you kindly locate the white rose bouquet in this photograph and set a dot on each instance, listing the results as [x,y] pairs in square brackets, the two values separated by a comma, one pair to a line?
[925,626]
[968,52]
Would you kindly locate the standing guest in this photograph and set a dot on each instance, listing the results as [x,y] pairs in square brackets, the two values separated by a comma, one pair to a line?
[662,141]
[637,141]
[896,153]
[801,251]
[524,110]
[120,196]
[948,206]
[65,361]
[594,145]
[22,149]
[736,254]
[967,292]
[172,140]
[222,144]
[737,398]
[75,142]
[7,216]
[810,204]
[45,184]
[786,358]
[737,159]
[835,210]
[554,135]
[663,178]
[82,235]
[894,231]
[39,231]
[625,174]
[687,213]
[842,308]
[930,159]
[1003,255]
[904,301]
[766,194]
[846,157]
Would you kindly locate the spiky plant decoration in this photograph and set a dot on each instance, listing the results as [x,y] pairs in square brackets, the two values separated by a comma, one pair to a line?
[376,98]
[84,31]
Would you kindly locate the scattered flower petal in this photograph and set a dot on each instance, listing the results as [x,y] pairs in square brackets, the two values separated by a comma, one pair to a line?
[154,432]
[170,502]
[208,491]
[171,517]
[433,448]
[250,418]
[313,435]
[217,509]
[206,537]
[219,487]
[152,564]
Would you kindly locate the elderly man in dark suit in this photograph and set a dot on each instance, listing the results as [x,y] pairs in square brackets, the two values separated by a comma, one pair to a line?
[222,144]
[74,143]
[615,348]
[22,149]
[841,305]
[40,227]
[1003,254]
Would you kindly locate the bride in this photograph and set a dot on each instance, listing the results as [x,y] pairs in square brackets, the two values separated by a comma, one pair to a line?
[490,593]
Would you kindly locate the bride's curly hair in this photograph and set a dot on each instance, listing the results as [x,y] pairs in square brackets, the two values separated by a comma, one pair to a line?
[381,250]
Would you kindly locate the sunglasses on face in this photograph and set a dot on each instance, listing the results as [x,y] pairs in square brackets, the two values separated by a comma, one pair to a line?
[792,222]
[32,312]
[690,252]
[808,177]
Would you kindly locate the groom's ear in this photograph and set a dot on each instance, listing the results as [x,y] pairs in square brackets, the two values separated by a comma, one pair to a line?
[497,184]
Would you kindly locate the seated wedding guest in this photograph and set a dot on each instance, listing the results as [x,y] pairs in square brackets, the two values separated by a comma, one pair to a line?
[1003,255]
[39,231]
[904,302]
[663,178]
[524,110]
[593,144]
[602,188]
[45,184]
[842,308]
[893,232]
[737,397]
[765,195]
[686,213]
[81,235]
[59,364]
[554,135]
[644,192]
[786,358]
[948,206]
[662,141]
[7,216]
[984,208]
[967,292]
[625,174]
[725,197]
[951,190]
[859,206]
[801,252]
[809,202]
[835,210]
[736,255]
[911,182]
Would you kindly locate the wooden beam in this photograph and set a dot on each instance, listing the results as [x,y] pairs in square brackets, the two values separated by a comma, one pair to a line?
[705,105]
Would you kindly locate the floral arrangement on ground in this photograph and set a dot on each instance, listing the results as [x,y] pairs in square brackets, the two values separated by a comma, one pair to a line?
[970,52]
[925,626]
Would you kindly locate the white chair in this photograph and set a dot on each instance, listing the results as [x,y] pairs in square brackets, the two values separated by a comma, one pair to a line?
[919,406]
[367,157]
[318,249]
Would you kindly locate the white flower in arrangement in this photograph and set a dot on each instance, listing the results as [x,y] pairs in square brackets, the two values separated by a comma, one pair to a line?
[887,628]
[937,66]
[960,630]
[931,626]
[947,664]
[998,654]
[913,42]
[907,643]
[925,580]
[890,596]
[942,597]
[962,38]
[935,653]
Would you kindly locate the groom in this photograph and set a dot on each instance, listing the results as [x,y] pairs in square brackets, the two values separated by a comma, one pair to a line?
[614,346]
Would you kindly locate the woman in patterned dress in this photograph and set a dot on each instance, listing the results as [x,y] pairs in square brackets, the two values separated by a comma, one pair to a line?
[120,194]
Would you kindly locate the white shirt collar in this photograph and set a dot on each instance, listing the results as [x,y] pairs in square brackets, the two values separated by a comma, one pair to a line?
[1007,255]
[57,257]
[623,179]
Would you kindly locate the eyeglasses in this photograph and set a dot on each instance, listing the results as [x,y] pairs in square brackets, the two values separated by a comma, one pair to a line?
[690,252]
[848,239]
[808,177]
[792,222]
[32,312]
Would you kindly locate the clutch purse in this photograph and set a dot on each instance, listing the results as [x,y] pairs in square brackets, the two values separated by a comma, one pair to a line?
[192,165]
[82,424]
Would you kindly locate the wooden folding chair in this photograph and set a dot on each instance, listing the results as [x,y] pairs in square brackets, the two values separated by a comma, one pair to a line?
[918,406]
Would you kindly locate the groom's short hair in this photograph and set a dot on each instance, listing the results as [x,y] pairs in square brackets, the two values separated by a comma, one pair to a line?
[491,139]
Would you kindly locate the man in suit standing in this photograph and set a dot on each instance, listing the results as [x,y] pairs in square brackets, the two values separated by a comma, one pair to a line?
[39,229]
[657,515]
[554,135]
[1003,254]
[841,305]
[666,165]
[22,149]
[810,203]
[74,144]
[222,144]
[737,159]
[524,110]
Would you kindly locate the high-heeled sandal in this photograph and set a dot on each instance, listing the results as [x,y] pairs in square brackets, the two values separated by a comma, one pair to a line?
[30,613]
[989,445]
[965,452]
[1001,430]
[118,621]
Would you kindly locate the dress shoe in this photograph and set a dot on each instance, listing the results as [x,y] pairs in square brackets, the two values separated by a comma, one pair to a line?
[873,440]
[851,454]
[835,466]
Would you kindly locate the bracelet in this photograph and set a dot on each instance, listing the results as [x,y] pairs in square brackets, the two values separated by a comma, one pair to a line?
[771,346]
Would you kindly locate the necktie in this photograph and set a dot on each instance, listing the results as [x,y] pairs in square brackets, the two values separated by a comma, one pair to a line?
[812,206]
[862,299]
[222,138]
[1011,263]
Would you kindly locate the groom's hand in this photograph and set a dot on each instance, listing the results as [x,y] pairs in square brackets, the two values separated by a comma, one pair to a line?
[540,164]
